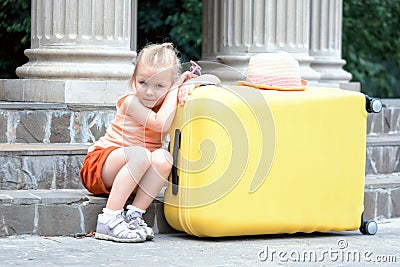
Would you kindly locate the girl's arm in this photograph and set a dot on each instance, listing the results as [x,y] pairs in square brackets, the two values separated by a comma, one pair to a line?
[161,120]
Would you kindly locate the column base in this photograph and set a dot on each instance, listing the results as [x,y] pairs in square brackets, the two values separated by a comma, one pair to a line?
[306,72]
[352,86]
[229,68]
[331,70]
[63,91]
[232,68]
[77,63]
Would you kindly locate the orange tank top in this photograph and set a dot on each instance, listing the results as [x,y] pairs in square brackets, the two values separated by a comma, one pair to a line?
[125,131]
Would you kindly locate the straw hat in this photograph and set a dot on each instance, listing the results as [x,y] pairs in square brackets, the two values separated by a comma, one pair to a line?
[274,71]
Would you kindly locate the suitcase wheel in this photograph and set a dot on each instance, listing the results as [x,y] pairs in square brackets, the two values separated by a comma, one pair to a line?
[373,105]
[368,227]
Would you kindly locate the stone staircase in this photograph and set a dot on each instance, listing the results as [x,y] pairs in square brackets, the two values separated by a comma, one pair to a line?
[382,190]
[42,147]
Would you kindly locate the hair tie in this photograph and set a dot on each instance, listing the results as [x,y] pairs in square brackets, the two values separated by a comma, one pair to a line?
[168,46]
[195,67]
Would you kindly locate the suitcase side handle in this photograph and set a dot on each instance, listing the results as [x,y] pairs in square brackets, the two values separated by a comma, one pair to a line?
[175,153]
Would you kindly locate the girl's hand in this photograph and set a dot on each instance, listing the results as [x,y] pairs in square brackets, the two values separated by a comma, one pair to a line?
[184,86]
[183,78]
[188,86]
[184,91]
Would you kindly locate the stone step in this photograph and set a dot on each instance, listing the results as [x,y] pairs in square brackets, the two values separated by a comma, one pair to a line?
[32,160]
[56,166]
[64,212]
[41,166]
[22,122]
[53,123]
[74,211]
[387,121]
[383,154]
[382,196]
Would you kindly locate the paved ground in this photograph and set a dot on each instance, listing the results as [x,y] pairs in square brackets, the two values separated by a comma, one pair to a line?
[337,249]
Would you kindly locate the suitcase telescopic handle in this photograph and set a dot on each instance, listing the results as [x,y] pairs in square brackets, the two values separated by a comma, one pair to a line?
[175,153]
[373,105]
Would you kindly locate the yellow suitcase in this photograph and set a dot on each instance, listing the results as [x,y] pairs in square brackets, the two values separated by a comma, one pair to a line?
[249,162]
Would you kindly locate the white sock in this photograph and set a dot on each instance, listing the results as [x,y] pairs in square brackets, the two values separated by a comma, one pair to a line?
[109,214]
[131,207]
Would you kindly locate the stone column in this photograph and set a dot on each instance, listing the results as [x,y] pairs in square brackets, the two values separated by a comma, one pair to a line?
[234,30]
[80,52]
[326,41]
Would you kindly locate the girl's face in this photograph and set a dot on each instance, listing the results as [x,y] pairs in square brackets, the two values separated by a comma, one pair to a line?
[152,86]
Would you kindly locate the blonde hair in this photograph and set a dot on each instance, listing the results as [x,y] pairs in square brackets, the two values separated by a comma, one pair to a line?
[158,57]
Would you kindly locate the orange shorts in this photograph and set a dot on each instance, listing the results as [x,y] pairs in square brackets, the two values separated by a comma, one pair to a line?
[91,170]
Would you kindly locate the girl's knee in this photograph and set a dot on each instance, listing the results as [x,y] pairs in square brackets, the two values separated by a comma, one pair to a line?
[140,155]
[161,160]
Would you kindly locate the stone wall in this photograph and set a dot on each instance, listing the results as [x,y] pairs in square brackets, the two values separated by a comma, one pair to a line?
[40,212]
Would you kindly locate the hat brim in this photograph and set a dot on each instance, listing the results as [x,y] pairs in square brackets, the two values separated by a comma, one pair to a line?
[304,85]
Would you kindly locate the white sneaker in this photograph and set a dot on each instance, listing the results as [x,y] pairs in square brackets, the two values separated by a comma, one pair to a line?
[117,230]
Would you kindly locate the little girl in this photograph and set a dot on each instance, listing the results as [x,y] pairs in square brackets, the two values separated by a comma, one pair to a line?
[129,158]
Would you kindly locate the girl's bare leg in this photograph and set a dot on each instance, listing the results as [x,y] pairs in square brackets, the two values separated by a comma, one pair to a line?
[154,179]
[122,171]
